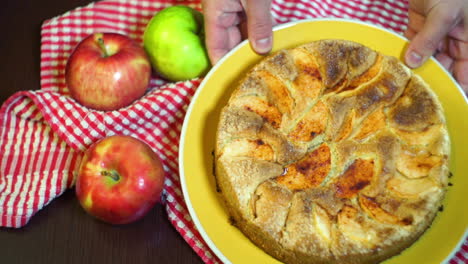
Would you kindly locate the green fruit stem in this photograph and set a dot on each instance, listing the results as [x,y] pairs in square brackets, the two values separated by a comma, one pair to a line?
[101,44]
[114,175]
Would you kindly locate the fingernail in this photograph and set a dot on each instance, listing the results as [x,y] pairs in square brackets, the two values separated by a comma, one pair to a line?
[263,45]
[414,59]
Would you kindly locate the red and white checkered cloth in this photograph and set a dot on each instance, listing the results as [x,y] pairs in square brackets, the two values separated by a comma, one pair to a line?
[43,133]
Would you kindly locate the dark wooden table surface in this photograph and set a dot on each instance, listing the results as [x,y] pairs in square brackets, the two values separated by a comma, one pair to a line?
[62,232]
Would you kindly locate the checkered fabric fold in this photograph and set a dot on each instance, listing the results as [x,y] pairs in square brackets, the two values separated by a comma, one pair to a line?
[43,133]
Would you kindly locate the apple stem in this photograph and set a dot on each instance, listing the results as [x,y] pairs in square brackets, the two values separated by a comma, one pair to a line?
[112,173]
[101,44]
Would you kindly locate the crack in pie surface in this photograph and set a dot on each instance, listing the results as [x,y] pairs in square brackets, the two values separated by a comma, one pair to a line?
[331,152]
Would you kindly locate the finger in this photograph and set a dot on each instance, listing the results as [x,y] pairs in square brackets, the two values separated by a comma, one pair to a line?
[231,39]
[234,36]
[460,32]
[273,22]
[439,22]
[416,20]
[259,25]
[409,33]
[445,60]
[219,17]
[458,49]
[228,19]
[460,72]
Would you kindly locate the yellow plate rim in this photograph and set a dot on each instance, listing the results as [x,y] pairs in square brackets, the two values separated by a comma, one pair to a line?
[183,181]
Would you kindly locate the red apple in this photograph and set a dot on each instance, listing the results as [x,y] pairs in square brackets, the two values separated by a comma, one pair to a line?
[120,178]
[107,71]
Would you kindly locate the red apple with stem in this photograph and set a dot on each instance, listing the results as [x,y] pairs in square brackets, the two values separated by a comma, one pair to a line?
[119,180]
[107,71]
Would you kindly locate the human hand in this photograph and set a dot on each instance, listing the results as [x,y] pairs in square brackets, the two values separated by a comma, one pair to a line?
[227,22]
[439,27]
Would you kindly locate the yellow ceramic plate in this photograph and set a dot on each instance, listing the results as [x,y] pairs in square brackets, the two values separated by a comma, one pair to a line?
[198,140]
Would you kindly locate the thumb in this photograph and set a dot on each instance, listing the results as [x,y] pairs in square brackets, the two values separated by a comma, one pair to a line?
[439,22]
[259,25]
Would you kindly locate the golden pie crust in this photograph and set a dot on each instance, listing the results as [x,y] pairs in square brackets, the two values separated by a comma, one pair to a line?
[331,152]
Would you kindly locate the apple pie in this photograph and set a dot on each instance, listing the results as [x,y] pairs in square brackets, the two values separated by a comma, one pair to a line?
[331,152]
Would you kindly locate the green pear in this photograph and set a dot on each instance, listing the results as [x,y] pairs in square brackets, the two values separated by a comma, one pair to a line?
[174,40]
